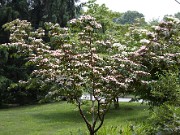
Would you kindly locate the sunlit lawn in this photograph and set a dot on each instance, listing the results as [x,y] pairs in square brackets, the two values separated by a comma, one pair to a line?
[61,119]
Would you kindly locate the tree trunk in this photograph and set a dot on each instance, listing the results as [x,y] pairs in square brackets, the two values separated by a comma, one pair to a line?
[91,132]
[116,103]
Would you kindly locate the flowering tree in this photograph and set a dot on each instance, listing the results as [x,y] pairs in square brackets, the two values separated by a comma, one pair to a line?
[71,63]
[15,67]
[159,51]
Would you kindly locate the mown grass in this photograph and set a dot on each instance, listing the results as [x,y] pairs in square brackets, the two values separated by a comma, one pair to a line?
[62,119]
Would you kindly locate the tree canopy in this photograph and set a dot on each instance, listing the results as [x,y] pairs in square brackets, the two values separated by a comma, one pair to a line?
[37,12]
[93,54]
[130,17]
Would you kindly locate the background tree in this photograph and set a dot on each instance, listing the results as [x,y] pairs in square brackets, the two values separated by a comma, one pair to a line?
[177,15]
[112,32]
[14,66]
[102,14]
[10,10]
[37,12]
[130,17]
[160,51]
[57,11]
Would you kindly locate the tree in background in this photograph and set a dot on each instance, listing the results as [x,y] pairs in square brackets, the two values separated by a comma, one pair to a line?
[177,15]
[14,66]
[10,10]
[130,17]
[112,32]
[159,53]
[56,11]
[37,12]
[102,14]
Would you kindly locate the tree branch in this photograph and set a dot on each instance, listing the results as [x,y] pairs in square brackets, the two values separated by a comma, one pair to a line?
[83,116]
[177,1]
[101,118]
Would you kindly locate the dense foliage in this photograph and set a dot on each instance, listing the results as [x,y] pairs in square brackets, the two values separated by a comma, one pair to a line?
[37,12]
[129,17]
[98,57]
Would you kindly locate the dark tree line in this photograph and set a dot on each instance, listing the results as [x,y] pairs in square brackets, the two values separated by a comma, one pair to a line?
[13,65]
[37,12]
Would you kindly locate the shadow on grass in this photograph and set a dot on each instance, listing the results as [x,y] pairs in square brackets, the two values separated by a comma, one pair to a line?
[68,116]
[17,106]
[128,112]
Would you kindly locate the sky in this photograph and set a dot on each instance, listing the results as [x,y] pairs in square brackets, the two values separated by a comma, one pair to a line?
[152,9]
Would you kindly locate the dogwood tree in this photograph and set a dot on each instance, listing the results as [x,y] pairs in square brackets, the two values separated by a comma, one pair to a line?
[159,52]
[70,63]
[73,65]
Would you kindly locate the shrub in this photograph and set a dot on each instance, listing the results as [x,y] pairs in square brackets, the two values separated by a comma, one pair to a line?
[166,89]
[164,120]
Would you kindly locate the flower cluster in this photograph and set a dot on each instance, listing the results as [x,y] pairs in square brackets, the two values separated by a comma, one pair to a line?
[88,21]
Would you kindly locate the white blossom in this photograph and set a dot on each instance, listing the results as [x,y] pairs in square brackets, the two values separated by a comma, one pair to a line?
[144,41]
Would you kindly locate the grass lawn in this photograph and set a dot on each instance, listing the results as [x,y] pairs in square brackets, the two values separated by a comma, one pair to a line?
[62,119]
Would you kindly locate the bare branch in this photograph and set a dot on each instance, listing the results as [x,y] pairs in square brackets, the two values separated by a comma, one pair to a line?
[83,116]
[177,1]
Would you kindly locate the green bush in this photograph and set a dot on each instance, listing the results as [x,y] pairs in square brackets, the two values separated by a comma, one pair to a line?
[166,89]
[164,120]
[4,83]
